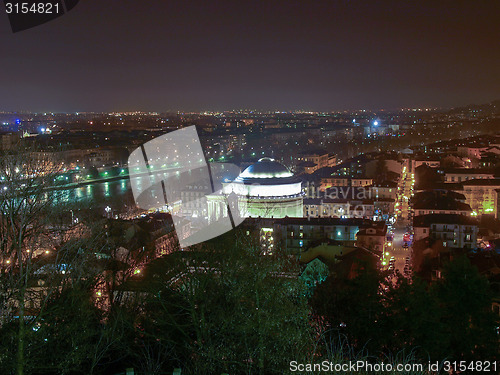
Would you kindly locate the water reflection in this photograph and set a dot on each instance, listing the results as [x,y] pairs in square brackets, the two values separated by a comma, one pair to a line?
[117,194]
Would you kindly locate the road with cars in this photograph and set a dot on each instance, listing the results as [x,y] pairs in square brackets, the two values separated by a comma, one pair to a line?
[398,253]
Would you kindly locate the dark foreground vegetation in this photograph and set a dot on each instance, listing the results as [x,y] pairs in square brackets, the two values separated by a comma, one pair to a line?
[90,297]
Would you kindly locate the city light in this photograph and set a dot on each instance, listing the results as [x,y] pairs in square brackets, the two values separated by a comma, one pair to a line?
[127,249]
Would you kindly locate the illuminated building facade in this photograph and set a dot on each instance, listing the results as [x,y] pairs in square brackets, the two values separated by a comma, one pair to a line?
[264,189]
[481,195]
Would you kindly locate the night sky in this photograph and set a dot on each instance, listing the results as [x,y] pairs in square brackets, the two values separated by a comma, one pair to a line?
[159,55]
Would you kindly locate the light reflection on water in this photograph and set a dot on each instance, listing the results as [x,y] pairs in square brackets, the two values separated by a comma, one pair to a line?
[117,194]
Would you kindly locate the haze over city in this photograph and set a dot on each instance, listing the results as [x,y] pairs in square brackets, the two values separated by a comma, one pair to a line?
[249,187]
[280,55]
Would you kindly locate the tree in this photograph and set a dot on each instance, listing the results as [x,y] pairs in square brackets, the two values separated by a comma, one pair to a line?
[67,334]
[37,257]
[464,298]
[353,308]
[24,237]
[412,319]
[246,308]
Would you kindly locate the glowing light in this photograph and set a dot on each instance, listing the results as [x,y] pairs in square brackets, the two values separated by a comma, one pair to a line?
[375,123]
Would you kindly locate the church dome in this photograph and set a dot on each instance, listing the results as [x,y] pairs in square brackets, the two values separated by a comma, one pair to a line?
[266,178]
[266,168]
[267,189]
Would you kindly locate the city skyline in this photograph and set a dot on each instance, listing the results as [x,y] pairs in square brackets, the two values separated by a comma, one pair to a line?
[249,111]
[257,187]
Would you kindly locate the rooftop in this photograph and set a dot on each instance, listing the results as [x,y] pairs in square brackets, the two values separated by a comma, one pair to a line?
[266,168]
[266,171]
[441,204]
[428,220]
[482,182]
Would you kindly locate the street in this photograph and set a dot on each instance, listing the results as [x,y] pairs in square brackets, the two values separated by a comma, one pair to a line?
[404,219]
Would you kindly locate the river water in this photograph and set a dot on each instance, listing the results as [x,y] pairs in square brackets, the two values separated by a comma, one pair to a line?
[116,194]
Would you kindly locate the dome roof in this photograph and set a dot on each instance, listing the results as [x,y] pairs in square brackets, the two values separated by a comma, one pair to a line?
[266,168]
[264,179]
[267,171]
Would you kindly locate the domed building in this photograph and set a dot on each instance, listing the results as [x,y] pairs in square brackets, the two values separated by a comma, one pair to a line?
[266,189]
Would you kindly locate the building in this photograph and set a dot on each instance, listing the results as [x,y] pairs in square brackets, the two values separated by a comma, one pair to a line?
[432,195]
[458,231]
[264,189]
[372,238]
[162,232]
[452,175]
[320,159]
[481,195]
[9,141]
[440,202]
[105,156]
[430,162]
[343,208]
[394,166]
[297,234]
[192,197]
[497,204]
[472,152]
[306,167]
[332,181]
[386,189]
